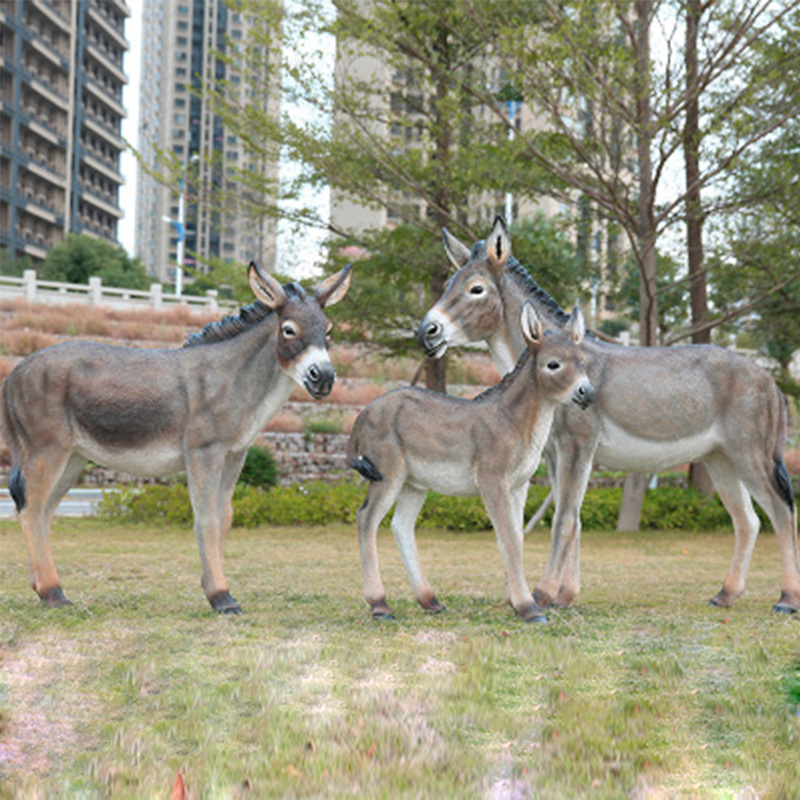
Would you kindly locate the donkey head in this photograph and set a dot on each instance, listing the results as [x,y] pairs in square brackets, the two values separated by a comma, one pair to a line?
[560,368]
[471,307]
[303,330]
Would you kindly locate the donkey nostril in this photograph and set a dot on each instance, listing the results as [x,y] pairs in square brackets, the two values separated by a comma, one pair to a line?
[433,329]
[313,372]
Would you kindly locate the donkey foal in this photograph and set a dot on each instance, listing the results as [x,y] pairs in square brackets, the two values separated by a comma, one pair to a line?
[412,440]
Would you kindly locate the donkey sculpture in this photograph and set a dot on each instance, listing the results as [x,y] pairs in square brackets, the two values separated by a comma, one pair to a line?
[155,412]
[411,440]
[657,407]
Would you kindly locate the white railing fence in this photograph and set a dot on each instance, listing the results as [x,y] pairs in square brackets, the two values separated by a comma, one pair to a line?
[34,290]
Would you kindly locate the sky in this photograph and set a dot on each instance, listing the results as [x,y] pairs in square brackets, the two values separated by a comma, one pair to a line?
[130,125]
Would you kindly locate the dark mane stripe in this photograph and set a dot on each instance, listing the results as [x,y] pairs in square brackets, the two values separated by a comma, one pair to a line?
[532,289]
[230,326]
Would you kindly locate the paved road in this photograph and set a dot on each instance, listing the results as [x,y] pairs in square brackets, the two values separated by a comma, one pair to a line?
[77,503]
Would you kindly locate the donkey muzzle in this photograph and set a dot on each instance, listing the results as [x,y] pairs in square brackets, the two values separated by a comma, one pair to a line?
[583,395]
[430,336]
[318,380]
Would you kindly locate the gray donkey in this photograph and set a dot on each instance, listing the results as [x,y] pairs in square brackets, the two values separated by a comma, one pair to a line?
[155,412]
[411,440]
[658,407]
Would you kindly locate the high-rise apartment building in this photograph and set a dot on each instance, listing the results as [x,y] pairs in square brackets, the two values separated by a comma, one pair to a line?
[182,44]
[61,81]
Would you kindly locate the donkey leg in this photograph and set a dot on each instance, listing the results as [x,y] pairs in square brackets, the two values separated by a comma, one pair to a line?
[409,504]
[379,499]
[783,516]
[47,478]
[736,500]
[501,510]
[560,582]
[204,468]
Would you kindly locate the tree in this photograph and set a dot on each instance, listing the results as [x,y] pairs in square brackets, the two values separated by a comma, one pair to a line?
[408,137]
[78,258]
[602,95]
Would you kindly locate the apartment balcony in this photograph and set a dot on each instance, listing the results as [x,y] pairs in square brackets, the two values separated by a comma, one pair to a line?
[46,9]
[49,52]
[59,101]
[105,201]
[103,166]
[106,59]
[99,130]
[99,18]
[104,95]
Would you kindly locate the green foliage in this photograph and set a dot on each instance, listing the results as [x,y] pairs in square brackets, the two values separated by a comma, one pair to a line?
[79,258]
[260,468]
[13,265]
[318,503]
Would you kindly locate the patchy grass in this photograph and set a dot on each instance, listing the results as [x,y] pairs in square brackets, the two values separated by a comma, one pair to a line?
[640,690]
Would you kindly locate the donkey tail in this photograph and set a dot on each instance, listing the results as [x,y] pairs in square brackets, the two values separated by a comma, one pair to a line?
[365,467]
[783,481]
[16,482]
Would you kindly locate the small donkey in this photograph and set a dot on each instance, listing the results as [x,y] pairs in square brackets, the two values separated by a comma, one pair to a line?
[411,440]
[155,412]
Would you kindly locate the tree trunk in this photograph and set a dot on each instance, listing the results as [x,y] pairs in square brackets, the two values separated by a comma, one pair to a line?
[635,485]
[698,474]
[630,512]
[436,369]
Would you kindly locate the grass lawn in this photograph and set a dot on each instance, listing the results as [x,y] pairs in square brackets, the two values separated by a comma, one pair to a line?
[639,690]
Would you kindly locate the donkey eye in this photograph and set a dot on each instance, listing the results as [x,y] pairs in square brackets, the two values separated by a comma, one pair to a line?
[553,365]
[477,289]
[289,330]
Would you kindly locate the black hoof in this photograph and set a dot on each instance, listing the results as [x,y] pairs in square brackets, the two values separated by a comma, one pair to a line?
[435,607]
[55,598]
[780,608]
[383,616]
[224,603]
[535,614]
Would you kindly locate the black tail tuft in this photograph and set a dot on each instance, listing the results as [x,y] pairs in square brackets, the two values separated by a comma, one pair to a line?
[366,468]
[784,482]
[16,488]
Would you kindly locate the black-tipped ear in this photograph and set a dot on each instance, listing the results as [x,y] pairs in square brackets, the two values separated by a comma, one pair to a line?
[498,245]
[334,288]
[265,287]
[457,251]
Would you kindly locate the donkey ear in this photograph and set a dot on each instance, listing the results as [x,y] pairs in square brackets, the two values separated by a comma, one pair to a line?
[333,289]
[531,326]
[457,252]
[576,327]
[498,246]
[265,287]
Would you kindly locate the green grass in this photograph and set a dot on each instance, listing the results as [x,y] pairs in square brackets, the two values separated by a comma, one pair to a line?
[639,690]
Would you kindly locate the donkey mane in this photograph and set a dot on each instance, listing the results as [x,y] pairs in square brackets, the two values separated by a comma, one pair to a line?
[248,317]
[532,289]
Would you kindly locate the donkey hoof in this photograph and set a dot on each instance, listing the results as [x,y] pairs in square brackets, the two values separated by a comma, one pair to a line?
[383,616]
[434,607]
[55,598]
[784,608]
[721,600]
[224,603]
[534,614]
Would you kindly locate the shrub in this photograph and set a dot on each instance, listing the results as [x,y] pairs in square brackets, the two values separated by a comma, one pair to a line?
[260,468]
[318,503]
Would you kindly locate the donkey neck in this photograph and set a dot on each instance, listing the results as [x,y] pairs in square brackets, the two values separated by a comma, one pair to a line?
[518,399]
[516,288]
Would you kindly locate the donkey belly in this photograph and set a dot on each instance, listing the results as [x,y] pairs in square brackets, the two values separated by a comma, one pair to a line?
[150,459]
[619,449]
[450,478]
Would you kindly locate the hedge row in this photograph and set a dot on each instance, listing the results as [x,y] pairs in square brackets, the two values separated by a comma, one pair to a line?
[318,503]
